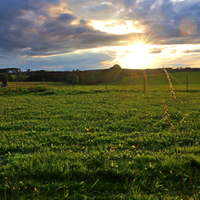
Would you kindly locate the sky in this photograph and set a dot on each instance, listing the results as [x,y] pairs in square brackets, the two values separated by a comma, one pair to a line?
[60,35]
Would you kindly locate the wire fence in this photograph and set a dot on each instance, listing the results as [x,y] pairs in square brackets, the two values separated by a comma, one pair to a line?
[181,82]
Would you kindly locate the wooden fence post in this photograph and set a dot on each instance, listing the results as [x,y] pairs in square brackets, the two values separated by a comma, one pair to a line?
[17,82]
[186,82]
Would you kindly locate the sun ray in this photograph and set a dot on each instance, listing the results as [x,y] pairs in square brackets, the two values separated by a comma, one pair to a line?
[136,56]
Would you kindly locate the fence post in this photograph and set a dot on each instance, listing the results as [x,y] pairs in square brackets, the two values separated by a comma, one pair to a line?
[106,83]
[73,81]
[17,82]
[187,82]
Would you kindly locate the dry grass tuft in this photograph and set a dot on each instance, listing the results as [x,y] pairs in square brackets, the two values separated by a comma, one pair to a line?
[170,84]
[181,130]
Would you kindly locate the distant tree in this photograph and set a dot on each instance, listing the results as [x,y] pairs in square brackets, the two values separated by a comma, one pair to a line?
[21,77]
[10,78]
[15,70]
[72,79]
[4,78]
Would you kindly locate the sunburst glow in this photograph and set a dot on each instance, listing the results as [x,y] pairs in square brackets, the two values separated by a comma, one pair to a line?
[137,56]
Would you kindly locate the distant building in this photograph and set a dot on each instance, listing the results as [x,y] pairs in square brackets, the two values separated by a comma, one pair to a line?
[2,85]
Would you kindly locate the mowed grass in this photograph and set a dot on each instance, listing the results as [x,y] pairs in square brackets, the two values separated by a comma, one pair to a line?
[157,82]
[91,144]
[160,82]
[13,85]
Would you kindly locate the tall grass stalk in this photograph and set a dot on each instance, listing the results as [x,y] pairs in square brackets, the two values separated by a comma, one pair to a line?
[181,130]
[133,183]
[172,130]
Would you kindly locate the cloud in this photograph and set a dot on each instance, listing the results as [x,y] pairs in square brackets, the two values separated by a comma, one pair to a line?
[66,17]
[51,67]
[30,24]
[162,21]
[155,51]
[42,28]
[166,21]
[194,51]
[32,31]
[173,51]
[85,59]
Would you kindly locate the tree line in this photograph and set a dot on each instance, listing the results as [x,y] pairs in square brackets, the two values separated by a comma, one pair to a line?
[88,77]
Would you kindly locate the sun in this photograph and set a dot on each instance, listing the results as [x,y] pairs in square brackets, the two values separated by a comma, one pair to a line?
[136,56]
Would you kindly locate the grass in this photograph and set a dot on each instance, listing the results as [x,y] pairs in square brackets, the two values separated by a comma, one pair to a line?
[157,82]
[160,81]
[37,84]
[92,144]
[181,131]
[178,78]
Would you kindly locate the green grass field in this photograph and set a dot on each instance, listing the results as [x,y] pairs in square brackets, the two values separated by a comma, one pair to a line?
[152,82]
[91,144]
[160,82]
[12,85]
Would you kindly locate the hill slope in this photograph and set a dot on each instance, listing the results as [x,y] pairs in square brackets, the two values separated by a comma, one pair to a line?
[178,78]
